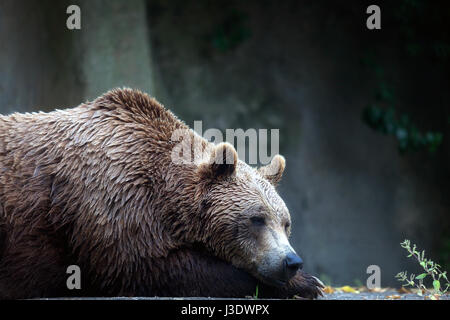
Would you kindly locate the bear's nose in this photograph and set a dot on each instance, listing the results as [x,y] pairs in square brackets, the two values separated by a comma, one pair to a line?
[292,263]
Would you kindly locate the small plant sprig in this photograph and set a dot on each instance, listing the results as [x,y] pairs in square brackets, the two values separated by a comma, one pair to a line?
[255,296]
[432,270]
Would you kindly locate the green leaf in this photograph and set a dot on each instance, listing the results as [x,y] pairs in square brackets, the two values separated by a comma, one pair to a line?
[436,285]
[421,276]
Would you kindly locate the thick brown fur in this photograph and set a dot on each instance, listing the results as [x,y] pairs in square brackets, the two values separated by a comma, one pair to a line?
[95,186]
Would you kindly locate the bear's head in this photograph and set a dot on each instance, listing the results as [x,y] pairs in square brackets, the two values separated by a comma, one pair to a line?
[244,220]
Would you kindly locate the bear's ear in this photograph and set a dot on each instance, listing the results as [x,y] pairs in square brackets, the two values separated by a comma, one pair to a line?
[222,163]
[274,171]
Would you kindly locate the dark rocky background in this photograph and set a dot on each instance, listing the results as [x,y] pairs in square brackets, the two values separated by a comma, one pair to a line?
[309,68]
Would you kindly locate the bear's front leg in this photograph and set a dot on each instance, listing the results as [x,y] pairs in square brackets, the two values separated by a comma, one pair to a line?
[193,273]
[302,285]
[32,266]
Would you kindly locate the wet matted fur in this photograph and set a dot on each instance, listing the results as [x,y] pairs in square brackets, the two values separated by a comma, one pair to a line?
[95,186]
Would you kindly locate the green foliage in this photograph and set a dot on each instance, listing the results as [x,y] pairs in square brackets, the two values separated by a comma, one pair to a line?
[255,296]
[424,27]
[425,38]
[231,32]
[401,127]
[386,120]
[432,270]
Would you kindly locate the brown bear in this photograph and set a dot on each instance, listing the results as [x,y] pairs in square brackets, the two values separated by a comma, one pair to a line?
[96,186]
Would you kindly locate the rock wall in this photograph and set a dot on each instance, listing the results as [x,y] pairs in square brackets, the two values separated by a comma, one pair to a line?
[259,64]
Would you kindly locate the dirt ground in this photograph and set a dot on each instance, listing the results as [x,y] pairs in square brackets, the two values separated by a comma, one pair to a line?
[388,295]
[362,293]
[330,293]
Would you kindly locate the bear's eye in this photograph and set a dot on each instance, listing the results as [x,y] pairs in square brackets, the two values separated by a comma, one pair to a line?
[258,221]
[287,226]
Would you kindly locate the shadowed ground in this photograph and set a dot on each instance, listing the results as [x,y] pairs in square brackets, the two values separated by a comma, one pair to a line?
[388,295]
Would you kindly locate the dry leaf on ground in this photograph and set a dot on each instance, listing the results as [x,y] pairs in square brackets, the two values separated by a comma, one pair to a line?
[404,290]
[380,290]
[328,290]
[347,289]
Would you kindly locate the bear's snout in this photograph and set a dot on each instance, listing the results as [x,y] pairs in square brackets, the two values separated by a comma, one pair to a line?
[292,263]
[280,262]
